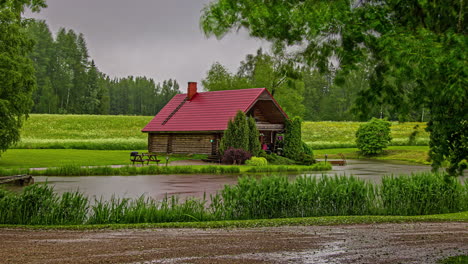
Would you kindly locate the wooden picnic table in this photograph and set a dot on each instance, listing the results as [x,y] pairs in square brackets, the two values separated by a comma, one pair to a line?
[144,157]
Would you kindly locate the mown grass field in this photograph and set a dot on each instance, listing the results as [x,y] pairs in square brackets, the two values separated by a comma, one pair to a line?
[44,158]
[124,133]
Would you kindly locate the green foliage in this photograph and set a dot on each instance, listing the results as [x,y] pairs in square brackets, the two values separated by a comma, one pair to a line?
[462,259]
[271,71]
[422,194]
[257,161]
[293,147]
[219,78]
[373,137]
[237,133]
[254,135]
[278,160]
[17,80]
[416,50]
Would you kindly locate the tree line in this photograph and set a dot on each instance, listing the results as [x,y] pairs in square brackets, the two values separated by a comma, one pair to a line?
[306,92]
[68,81]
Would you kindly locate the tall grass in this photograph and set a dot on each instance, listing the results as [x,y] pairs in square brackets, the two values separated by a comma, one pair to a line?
[75,170]
[251,198]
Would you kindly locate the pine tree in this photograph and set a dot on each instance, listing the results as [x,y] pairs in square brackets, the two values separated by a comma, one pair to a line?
[254,137]
[292,139]
[237,133]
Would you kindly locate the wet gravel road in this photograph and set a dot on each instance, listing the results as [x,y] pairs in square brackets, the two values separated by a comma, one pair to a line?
[377,243]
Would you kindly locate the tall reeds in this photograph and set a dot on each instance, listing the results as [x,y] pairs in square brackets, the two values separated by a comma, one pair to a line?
[251,198]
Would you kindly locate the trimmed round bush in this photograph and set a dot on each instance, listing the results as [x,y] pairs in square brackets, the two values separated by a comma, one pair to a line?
[257,161]
[373,136]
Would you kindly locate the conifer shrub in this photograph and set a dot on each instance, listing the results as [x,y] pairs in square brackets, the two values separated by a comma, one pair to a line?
[292,139]
[257,161]
[306,159]
[236,156]
[373,136]
[254,135]
[237,134]
[278,160]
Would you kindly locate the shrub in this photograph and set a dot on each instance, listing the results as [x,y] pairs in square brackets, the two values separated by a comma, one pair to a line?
[254,135]
[307,149]
[292,139]
[373,136]
[237,133]
[235,156]
[306,159]
[278,160]
[257,161]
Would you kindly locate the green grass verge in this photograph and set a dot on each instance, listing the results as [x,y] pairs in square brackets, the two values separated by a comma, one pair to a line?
[74,170]
[462,259]
[412,154]
[45,158]
[305,221]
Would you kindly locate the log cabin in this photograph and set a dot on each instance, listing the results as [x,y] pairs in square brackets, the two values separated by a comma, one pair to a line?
[193,123]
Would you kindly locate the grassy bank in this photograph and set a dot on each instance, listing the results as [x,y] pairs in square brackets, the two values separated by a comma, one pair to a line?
[264,198]
[299,221]
[124,133]
[411,154]
[74,170]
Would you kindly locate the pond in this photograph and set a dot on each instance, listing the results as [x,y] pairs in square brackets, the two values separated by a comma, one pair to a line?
[194,185]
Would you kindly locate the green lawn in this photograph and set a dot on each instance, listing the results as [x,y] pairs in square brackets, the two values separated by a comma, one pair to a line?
[413,154]
[39,158]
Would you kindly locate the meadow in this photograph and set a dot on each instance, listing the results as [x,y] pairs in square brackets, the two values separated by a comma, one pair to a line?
[265,198]
[95,132]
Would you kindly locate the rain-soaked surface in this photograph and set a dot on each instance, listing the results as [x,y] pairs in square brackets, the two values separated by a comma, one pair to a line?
[194,185]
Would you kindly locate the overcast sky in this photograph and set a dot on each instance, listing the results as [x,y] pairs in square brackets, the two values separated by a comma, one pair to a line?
[160,39]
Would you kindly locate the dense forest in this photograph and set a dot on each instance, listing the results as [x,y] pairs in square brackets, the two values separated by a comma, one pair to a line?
[68,81]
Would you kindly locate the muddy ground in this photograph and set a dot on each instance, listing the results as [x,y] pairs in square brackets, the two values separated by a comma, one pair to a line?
[377,243]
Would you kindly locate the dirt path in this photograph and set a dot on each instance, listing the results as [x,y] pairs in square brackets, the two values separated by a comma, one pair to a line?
[379,243]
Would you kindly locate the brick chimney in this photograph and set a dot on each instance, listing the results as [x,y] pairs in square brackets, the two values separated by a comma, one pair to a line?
[191,90]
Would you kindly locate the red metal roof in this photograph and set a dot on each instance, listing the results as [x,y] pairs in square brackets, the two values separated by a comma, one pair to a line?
[207,111]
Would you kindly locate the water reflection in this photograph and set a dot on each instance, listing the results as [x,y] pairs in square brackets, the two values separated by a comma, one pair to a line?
[157,186]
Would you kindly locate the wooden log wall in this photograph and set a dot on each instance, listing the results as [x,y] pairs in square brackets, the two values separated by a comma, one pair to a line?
[181,143]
